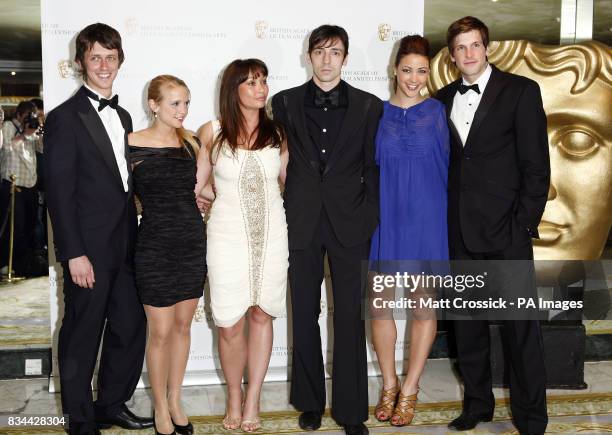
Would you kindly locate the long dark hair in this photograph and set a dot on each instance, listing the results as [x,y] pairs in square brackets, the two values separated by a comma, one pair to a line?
[233,128]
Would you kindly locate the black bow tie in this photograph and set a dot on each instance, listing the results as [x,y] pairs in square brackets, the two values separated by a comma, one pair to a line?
[112,103]
[464,88]
[327,99]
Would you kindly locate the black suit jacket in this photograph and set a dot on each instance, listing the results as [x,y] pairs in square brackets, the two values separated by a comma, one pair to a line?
[498,182]
[90,211]
[348,188]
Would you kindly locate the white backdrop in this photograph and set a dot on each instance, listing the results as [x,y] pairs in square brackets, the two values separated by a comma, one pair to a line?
[194,40]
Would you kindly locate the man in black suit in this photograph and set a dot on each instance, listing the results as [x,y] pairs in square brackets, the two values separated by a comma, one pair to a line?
[91,204]
[498,185]
[331,201]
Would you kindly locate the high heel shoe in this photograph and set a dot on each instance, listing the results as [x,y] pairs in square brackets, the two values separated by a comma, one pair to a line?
[404,410]
[254,423]
[386,403]
[158,432]
[231,423]
[185,429]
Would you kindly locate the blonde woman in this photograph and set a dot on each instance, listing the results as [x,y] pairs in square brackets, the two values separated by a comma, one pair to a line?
[170,264]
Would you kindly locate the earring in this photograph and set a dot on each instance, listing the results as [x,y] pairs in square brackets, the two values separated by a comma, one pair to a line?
[155,114]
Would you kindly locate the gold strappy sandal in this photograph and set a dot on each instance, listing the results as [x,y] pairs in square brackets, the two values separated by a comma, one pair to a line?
[251,425]
[231,423]
[386,403]
[404,410]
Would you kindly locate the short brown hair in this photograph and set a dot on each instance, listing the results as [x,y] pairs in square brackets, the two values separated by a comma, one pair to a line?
[464,25]
[325,34]
[104,35]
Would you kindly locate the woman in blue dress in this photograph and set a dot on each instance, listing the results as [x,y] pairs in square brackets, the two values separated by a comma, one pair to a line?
[412,151]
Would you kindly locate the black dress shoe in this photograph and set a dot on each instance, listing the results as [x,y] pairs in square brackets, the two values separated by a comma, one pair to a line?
[186,429]
[310,420]
[126,419]
[467,421]
[356,429]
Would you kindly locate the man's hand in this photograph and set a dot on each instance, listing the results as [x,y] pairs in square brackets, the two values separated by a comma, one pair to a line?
[81,272]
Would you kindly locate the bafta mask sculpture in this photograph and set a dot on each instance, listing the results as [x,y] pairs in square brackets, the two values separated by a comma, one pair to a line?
[576,85]
[384,31]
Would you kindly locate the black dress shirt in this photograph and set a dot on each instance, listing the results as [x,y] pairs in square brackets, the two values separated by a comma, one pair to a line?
[324,115]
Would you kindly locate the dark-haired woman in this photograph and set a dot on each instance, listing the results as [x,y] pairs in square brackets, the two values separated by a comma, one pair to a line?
[247,232]
[412,151]
[169,261]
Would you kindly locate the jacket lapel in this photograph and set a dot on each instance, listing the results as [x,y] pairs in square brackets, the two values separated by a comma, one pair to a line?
[448,102]
[125,122]
[354,116]
[294,106]
[98,134]
[494,86]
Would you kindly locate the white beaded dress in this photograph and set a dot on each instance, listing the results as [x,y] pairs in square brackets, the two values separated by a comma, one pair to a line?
[247,252]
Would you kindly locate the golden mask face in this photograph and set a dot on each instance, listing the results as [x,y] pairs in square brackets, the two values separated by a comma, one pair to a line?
[576,85]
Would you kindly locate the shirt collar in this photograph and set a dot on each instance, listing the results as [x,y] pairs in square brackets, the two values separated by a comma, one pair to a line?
[97,93]
[482,80]
[313,91]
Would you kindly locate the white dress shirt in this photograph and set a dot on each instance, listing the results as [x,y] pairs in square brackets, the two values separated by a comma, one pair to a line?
[464,106]
[116,133]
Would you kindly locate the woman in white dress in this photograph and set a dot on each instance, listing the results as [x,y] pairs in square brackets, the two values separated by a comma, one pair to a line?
[246,233]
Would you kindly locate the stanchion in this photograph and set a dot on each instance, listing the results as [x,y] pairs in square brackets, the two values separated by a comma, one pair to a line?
[10,278]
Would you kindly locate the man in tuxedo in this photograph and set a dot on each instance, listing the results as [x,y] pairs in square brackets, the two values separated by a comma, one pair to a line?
[498,184]
[331,201]
[91,205]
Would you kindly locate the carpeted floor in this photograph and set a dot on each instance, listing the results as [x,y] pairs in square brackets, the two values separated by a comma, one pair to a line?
[569,414]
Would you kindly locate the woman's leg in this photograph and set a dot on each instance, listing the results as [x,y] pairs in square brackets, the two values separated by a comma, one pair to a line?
[233,356]
[384,332]
[179,353]
[160,323]
[384,336]
[260,349]
[422,335]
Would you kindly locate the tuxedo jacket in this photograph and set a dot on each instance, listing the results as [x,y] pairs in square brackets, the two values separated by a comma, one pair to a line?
[348,187]
[498,182]
[91,214]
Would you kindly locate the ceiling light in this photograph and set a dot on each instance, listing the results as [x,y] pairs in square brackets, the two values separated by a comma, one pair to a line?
[13,73]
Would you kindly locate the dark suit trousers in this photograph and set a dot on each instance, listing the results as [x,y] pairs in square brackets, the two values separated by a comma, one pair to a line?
[26,203]
[349,372]
[522,344]
[113,299]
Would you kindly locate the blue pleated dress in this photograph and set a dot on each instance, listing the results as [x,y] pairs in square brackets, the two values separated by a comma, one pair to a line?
[412,152]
